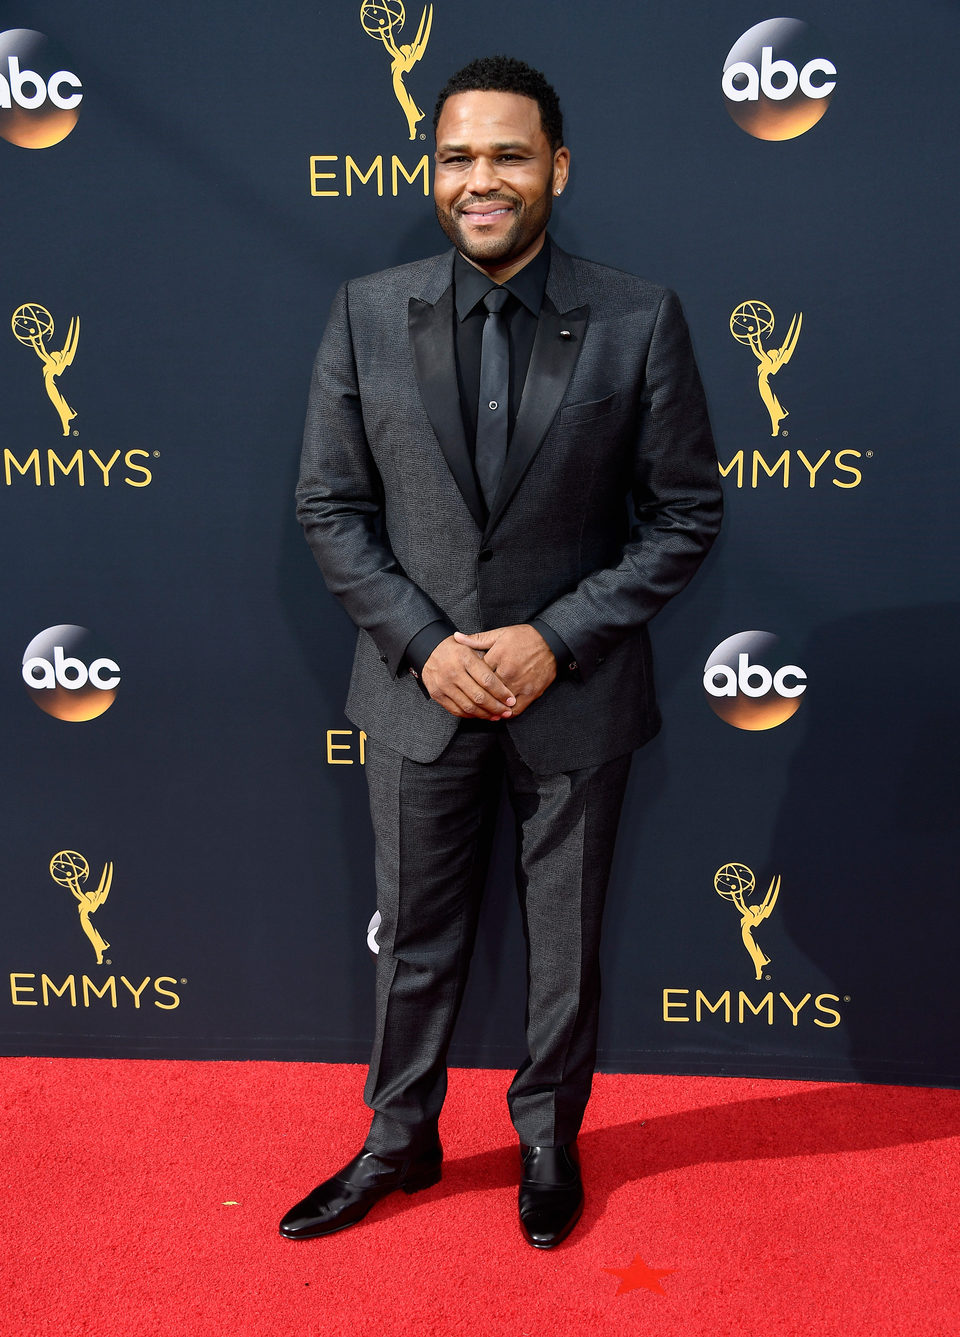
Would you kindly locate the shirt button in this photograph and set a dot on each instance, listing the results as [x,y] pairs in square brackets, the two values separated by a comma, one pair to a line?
[486,554]
[493,404]
[573,666]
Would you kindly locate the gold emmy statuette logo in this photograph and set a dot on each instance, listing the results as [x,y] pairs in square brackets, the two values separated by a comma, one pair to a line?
[382,19]
[70,869]
[735,882]
[33,326]
[748,323]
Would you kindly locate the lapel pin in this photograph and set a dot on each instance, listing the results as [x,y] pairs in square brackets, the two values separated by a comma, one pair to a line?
[565,334]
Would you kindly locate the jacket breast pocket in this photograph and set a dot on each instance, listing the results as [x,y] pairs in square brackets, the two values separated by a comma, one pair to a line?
[588,410]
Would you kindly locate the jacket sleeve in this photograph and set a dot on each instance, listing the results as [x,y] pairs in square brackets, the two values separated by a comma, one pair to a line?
[677,502]
[340,502]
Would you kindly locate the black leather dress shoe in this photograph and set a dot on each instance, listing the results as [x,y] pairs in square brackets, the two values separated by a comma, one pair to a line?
[551,1194]
[346,1198]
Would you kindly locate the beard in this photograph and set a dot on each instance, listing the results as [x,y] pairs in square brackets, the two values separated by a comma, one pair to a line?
[529,221]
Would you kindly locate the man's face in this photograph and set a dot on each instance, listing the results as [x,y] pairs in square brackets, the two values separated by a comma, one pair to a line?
[495,178]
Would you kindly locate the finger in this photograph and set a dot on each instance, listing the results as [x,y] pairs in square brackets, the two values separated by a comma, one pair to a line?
[481,702]
[482,674]
[468,693]
[474,705]
[462,696]
[481,640]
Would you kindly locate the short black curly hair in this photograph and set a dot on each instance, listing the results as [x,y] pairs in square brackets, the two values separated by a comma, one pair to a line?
[504,74]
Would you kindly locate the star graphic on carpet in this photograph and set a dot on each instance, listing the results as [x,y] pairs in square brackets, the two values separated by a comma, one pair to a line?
[638,1277]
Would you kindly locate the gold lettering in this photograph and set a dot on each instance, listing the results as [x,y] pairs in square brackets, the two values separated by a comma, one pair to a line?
[784,459]
[147,475]
[90,988]
[167,993]
[105,468]
[375,166]
[422,166]
[723,1001]
[847,468]
[48,987]
[17,989]
[136,992]
[812,468]
[829,1011]
[316,176]
[795,1011]
[669,1004]
[54,459]
[738,461]
[765,1002]
[338,747]
[32,460]
[363,748]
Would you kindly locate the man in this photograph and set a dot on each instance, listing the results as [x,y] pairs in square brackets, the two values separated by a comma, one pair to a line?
[479,425]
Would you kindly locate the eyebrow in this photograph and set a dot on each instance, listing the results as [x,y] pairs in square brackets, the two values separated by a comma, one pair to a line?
[498,148]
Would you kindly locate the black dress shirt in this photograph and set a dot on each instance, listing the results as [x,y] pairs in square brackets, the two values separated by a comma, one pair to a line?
[522,313]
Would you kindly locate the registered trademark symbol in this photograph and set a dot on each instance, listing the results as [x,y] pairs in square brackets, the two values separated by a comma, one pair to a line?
[766,977]
[784,433]
[156,454]
[846,998]
[76,432]
[108,963]
[869,454]
[183,981]
[423,136]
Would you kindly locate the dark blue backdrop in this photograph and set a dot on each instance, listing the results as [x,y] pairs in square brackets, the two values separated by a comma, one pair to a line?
[178,222]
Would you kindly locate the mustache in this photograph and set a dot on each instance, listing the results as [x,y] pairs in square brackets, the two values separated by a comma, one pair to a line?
[486,199]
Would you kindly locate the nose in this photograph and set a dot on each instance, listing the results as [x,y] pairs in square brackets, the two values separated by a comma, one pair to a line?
[483,177]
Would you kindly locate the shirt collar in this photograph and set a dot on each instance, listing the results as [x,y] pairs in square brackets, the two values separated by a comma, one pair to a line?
[527,285]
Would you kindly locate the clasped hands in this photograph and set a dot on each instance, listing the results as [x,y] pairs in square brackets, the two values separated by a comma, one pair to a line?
[493,675]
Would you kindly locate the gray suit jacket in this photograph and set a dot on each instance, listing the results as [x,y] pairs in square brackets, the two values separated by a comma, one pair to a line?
[608,502]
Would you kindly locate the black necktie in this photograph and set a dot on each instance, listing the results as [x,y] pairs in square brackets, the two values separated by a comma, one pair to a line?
[492,406]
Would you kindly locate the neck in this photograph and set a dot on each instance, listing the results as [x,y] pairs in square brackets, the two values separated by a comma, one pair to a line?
[501,271]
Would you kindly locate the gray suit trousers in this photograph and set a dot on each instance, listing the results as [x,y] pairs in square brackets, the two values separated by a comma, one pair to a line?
[432,824]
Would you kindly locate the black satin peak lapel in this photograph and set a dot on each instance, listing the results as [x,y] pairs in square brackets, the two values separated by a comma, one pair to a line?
[555,352]
[431,340]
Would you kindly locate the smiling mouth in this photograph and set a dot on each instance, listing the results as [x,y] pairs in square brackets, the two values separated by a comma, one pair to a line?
[488,215]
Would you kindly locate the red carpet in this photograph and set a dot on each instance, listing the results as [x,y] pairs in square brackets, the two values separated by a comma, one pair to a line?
[142,1198]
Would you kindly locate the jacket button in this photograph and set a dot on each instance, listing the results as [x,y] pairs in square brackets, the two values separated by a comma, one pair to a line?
[383,659]
[486,554]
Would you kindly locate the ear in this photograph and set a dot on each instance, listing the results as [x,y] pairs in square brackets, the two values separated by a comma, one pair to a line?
[561,169]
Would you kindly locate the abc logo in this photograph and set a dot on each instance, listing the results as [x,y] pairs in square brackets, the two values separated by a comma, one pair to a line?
[746,685]
[776,81]
[372,929]
[67,676]
[39,97]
